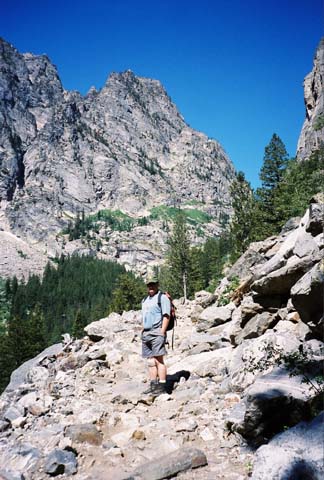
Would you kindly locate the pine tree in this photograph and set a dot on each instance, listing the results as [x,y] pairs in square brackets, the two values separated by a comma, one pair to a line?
[275,162]
[242,224]
[35,334]
[197,280]
[178,257]
[78,325]
[299,183]
[128,294]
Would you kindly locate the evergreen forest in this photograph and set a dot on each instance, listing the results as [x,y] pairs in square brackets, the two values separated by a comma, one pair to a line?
[71,294]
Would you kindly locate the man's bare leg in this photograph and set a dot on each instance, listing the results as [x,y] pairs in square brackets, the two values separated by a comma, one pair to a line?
[153,370]
[161,368]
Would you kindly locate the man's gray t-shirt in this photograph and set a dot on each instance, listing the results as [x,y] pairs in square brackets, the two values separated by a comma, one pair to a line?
[151,312]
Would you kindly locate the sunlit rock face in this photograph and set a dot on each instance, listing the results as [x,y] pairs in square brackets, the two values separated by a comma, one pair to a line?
[312,134]
[125,147]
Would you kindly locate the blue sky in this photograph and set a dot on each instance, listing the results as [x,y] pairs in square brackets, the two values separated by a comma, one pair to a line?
[235,69]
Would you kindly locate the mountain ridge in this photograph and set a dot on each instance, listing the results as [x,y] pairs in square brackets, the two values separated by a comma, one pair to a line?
[123,147]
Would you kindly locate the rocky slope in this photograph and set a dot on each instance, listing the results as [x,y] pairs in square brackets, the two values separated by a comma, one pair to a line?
[312,134]
[232,411]
[125,147]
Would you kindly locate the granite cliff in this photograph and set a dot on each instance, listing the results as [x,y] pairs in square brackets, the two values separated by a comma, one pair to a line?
[312,134]
[123,148]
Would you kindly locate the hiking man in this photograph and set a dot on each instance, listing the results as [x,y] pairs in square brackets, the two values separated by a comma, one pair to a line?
[155,322]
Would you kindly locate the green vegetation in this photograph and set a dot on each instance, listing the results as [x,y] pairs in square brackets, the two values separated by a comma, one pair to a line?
[188,270]
[286,190]
[4,305]
[225,298]
[80,290]
[114,219]
[268,219]
[87,227]
[192,216]
[319,122]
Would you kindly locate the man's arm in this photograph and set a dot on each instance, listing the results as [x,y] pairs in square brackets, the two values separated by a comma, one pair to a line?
[166,310]
[165,323]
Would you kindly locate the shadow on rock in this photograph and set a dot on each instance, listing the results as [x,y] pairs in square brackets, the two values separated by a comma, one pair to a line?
[175,378]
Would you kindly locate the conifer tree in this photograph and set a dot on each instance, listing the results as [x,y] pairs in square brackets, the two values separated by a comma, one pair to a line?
[78,325]
[242,224]
[178,257]
[35,332]
[275,161]
[128,294]
[299,183]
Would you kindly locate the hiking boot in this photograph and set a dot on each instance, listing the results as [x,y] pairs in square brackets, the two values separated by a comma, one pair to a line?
[159,388]
[150,389]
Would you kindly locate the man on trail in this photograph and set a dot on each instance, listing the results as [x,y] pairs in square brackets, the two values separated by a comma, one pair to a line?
[156,309]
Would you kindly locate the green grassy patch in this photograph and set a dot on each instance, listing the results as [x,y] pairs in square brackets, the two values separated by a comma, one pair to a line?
[193,216]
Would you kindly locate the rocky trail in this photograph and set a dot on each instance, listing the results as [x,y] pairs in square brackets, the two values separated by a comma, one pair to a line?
[232,411]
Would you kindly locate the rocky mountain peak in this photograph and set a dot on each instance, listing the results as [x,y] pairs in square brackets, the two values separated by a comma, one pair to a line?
[123,148]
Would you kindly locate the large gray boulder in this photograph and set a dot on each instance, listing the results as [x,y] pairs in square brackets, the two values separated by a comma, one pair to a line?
[246,359]
[170,465]
[256,326]
[307,297]
[296,454]
[213,316]
[281,280]
[19,376]
[254,256]
[315,224]
[274,401]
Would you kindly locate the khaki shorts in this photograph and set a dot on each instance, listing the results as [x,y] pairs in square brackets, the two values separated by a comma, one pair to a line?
[153,343]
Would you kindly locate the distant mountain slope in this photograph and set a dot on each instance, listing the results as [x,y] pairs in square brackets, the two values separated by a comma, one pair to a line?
[125,147]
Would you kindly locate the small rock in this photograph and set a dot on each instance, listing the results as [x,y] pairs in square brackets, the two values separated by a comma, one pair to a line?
[19,422]
[139,435]
[10,475]
[187,426]
[4,425]
[14,412]
[61,462]
[85,433]
[207,435]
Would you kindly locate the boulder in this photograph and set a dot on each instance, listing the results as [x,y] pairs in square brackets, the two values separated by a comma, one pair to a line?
[253,256]
[274,401]
[205,299]
[18,376]
[13,412]
[315,224]
[280,258]
[307,298]
[249,309]
[305,246]
[104,327]
[206,364]
[256,326]
[195,313]
[170,465]
[250,354]
[294,454]
[281,280]
[290,225]
[213,316]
